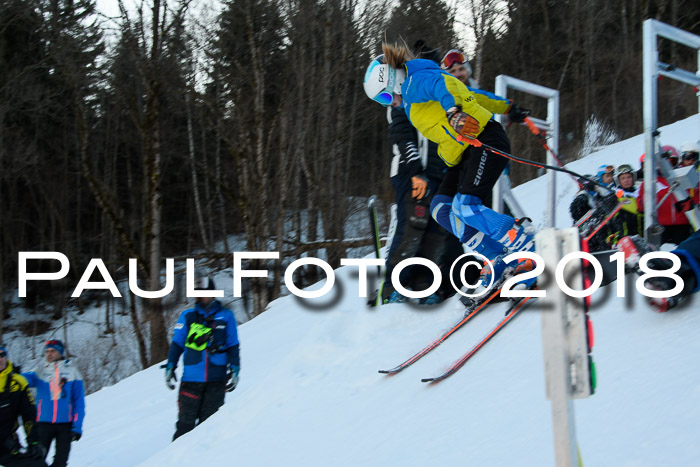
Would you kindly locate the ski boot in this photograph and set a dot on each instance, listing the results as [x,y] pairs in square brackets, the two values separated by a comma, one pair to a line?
[521,237]
[432,299]
[500,269]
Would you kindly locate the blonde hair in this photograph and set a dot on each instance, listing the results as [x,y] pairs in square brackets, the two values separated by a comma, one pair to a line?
[397,54]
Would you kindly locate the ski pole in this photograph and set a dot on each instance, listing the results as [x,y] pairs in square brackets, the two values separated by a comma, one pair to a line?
[475,142]
[543,141]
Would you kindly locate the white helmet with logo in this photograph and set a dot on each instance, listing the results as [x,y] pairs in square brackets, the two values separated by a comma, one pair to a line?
[382,81]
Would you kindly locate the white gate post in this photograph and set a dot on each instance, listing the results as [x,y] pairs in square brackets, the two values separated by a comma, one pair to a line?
[652,69]
[551,127]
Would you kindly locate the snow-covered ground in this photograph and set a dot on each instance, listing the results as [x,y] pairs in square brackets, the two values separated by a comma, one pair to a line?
[310,393]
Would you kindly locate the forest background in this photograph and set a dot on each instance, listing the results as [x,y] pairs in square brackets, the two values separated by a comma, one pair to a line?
[161,131]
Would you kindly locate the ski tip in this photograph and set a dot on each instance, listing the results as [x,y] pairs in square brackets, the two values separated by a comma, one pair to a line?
[385,372]
[430,380]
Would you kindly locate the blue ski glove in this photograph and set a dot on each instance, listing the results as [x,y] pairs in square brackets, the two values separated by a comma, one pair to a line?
[232,381]
[170,377]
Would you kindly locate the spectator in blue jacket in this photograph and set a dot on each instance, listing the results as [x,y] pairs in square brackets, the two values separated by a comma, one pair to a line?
[60,401]
[208,337]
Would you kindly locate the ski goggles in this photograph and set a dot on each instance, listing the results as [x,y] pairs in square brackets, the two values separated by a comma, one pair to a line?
[624,168]
[385,97]
[689,155]
[452,57]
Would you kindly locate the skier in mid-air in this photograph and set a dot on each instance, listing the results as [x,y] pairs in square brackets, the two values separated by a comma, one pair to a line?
[445,111]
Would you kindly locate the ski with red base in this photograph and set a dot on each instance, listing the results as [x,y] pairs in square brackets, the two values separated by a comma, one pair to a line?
[514,310]
[471,311]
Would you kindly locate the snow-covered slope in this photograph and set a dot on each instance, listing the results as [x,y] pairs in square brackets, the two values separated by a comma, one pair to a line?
[310,393]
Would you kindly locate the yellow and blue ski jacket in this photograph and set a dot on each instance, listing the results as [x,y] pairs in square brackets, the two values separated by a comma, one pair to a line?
[429,92]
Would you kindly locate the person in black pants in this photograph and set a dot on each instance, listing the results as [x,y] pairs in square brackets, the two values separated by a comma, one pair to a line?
[16,401]
[207,338]
[416,173]
[61,401]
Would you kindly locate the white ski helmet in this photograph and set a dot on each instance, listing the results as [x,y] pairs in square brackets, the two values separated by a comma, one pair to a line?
[690,150]
[382,81]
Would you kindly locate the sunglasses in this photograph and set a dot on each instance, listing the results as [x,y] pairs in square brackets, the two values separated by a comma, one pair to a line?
[690,155]
[452,57]
[3,354]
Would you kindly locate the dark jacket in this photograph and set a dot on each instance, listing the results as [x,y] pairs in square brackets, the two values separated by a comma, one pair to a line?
[15,401]
[413,154]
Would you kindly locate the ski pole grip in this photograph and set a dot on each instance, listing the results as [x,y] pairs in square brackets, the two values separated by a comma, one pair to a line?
[469,140]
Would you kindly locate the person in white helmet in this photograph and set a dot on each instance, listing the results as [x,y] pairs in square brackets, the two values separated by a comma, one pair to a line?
[448,113]
[689,154]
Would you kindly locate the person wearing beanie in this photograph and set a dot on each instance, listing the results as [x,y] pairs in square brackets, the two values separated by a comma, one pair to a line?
[207,337]
[60,401]
[17,402]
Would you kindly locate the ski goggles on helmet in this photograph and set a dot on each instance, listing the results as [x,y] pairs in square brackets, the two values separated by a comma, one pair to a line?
[452,57]
[384,97]
[624,169]
[689,155]
[383,81]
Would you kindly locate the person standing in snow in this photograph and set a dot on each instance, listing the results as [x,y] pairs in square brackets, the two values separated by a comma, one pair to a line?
[606,175]
[16,401]
[207,337]
[670,213]
[628,221]
[446,112]
[416,173]
[60,401]
[689,154]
